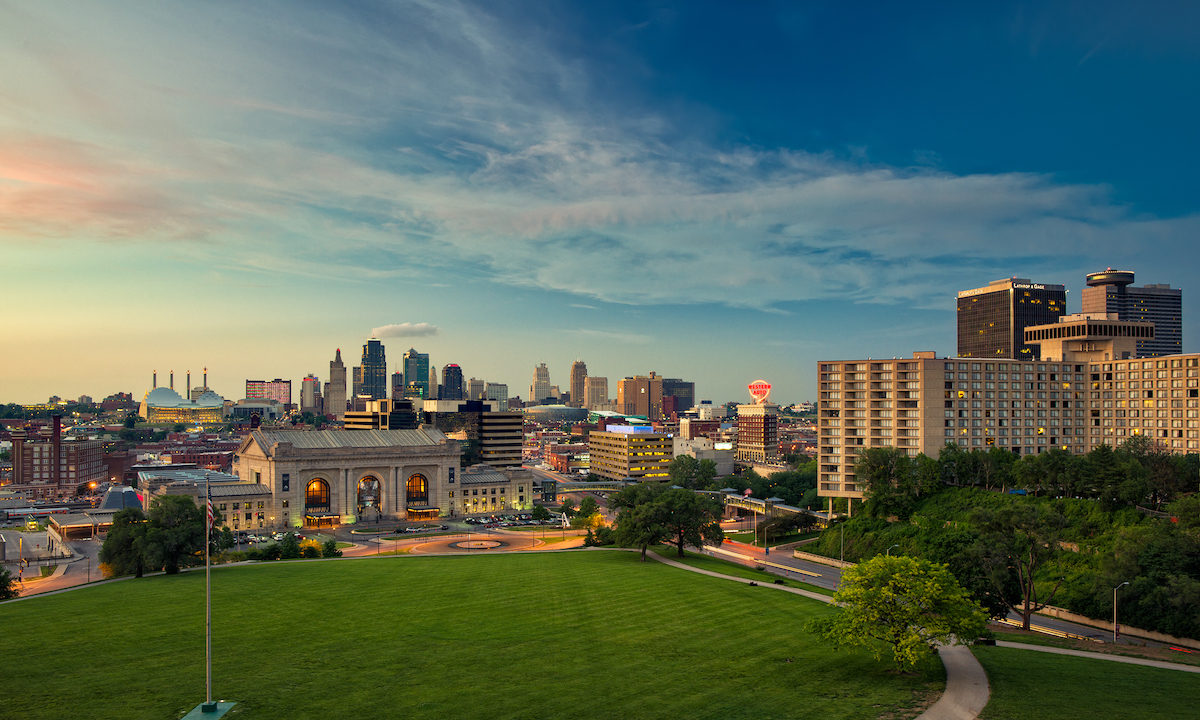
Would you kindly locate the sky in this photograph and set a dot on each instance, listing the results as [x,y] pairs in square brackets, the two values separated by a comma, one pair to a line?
[715,191]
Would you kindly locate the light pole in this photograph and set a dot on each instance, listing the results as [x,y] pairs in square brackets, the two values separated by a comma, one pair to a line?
[842,555]
[1116,630]
[889,550]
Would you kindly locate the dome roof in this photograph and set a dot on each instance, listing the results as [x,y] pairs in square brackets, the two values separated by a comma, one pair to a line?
[210,399]
[163,397]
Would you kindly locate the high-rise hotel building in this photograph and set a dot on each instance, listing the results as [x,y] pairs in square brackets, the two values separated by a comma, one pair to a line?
[1087,389]
[1112,291]
[992,319]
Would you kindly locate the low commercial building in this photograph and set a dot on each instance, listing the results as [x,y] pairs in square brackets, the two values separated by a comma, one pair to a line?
[490,490]
[630,452]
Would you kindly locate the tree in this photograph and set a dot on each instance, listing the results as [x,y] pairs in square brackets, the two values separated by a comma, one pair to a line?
[682,471]
[567,508]
[330,549]
[7,590]
[691,518]
[640,521]
[130,421]
[588,515]
[904,604]
[1014,543]
[540,513]
[124,548]
[225,539]
[706,472]
[289,547]
[174,533]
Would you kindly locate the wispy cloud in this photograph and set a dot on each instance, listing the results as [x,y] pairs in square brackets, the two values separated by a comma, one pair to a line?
[611,336]
[407,329]
[465,148]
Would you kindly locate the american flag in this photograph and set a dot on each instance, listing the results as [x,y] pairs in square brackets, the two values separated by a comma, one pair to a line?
[211,515]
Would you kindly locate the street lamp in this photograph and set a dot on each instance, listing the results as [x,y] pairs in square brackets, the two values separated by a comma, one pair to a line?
[889,550]
[1116,631]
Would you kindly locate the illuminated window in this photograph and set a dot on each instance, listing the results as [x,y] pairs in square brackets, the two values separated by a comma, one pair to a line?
[417,490]
[316,495]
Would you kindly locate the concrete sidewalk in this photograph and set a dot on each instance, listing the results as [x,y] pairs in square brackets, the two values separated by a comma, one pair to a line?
[966,691]
[1101,656]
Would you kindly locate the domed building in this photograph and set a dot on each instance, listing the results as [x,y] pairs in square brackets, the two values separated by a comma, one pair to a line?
[162,405]
[550,414]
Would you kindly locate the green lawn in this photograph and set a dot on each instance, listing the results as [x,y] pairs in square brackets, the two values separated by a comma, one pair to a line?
[575,635]
[1138,651]
[727,567]
[1030,684]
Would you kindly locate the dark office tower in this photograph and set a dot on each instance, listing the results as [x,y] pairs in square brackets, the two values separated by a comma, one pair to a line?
[1111,291]
[683,391]
[374,376]
[452,383]
[578,382]
[992,319]
[397,385]
[416,374]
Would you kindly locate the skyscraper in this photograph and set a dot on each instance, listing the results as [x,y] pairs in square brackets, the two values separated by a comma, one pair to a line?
[578,378]
[374,371]
[992,319]
[475,389]
[452,383]
[1111,291]
[684,392]
[310,394]
[416,372]
[497,392]
[595,393]
[278,390]
[539,389]
[397,385]
[640,395]
[335,389]
[433,383]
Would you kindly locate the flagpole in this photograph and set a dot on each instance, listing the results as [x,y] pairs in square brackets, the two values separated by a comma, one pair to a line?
[208,514]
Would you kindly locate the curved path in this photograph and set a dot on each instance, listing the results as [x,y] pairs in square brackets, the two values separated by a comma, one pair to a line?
[966,683]
[1101,656]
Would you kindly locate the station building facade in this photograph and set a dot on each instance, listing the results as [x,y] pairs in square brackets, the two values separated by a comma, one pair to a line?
[334,477]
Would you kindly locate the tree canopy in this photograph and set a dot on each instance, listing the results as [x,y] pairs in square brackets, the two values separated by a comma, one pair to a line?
[902,604]
[124,550]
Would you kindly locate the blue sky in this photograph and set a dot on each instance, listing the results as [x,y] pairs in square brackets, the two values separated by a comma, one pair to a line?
[714,191]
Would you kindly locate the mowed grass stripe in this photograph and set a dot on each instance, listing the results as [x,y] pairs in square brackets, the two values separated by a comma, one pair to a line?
[579,635]
[1031,684]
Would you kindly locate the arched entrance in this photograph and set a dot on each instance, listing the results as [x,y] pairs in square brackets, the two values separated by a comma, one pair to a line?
[370,504]
[318,510]
[416,496]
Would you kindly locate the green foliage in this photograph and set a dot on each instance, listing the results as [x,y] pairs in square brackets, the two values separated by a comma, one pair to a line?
[690,518]
[329,549]
[8,589]
[567,508]
[797,487]
[640,518]
[1014,543]
[123,550]
[174,532]
[225,539]
[540,513]
[289,547]
[588,507]
[310,551]
[131,420]
[902,604]
[682,471]
[605,535]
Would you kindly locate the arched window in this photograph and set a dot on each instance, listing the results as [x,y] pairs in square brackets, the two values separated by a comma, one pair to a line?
[368,493]
[417,490]
[316,495]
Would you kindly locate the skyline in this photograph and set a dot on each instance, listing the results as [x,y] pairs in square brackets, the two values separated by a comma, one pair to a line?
[713,193]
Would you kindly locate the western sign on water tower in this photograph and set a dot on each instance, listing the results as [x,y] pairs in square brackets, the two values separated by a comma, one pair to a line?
[760,390]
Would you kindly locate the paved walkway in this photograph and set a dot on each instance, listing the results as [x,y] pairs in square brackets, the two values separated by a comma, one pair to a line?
[966,683]
[1101,656]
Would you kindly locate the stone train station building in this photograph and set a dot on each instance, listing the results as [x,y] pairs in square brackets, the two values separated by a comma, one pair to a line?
[334,477]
